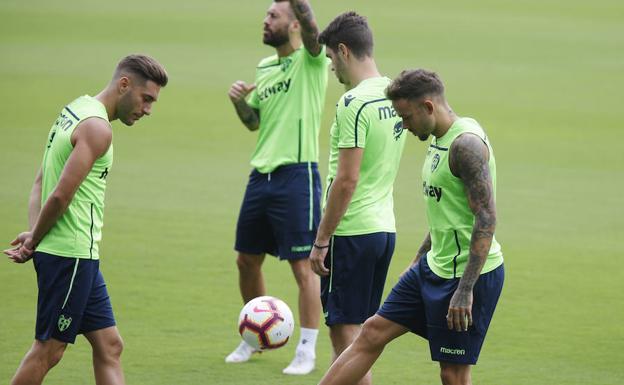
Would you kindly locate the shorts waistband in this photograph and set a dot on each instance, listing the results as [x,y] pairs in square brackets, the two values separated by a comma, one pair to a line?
[288,167]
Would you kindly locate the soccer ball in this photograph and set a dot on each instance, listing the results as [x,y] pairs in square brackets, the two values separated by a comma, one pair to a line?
[266,323]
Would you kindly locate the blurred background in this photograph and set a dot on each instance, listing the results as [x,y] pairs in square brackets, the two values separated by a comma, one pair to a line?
[544,78]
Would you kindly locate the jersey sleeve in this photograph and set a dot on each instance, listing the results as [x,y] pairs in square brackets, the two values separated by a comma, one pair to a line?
[351,122]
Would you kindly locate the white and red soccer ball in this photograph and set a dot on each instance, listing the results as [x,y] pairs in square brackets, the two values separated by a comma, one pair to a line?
[266,323]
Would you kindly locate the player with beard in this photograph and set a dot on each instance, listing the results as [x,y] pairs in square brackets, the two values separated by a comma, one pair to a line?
[65,214]
[281,207]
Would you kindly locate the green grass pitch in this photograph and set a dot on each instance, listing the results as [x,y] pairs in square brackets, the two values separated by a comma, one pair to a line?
[543,77]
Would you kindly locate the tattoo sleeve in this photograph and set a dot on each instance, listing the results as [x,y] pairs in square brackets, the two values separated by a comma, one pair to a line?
[309,29]
[468,160]
[249,116]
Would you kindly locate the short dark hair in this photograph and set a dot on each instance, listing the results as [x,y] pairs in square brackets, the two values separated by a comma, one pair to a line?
[414,84]
[143,66]
[351,30]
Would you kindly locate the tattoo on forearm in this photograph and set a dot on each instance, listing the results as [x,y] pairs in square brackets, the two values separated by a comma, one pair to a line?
[469,161]
[309,29]
[247,115]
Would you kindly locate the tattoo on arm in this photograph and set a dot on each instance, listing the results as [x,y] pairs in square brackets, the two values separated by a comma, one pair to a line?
[424,248]
[309,29]
[249,116]
[468,160]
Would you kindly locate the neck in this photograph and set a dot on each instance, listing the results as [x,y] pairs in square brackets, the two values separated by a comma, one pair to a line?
[362,70]
[289,47]
[444,122]
[108,99]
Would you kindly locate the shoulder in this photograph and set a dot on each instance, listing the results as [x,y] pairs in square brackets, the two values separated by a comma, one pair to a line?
[95,133]
[468,154]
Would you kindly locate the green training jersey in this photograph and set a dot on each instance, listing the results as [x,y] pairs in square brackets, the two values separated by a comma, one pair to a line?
[366,119]
[78,231]
[450,219]
[289,94]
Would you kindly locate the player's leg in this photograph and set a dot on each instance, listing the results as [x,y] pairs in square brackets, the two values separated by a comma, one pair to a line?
[309,289]
[64,285]
[294,214]
[309,317]
[107,346]
[254,238]
[342,336]
[250,278]
[99,328]
[42,356]
[455,374]
[457,351]
[353,364]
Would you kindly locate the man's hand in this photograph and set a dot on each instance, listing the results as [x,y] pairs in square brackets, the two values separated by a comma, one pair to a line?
[317,260]
[459,316]
[24,248]
[240,90]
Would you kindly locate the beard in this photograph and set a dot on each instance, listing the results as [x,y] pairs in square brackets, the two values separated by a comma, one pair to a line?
[423,137]
[275,39]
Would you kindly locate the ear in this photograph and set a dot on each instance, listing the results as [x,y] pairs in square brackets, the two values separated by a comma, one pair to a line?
[343,51]
[123,84]
[428,105]
[294,26]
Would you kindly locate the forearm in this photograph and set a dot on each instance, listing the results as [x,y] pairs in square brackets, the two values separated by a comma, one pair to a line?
[248,116]
[482,235]
[309,29]
[34,203]
[52,210]
[338,201]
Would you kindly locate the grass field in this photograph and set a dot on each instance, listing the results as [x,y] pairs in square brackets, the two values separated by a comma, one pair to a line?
[545,79]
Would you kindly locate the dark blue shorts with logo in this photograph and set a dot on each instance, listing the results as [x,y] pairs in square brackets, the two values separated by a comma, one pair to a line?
[358,266]
[420,300]
[280,212]
[72,298]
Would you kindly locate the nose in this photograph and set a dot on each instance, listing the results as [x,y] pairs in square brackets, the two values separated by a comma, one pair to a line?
[147,109]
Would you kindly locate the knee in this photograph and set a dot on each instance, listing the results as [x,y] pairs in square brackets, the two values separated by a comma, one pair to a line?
[371,335]
[48,353]
[304,275]
[55,356]
[455,375]
[248,263]
[111,349]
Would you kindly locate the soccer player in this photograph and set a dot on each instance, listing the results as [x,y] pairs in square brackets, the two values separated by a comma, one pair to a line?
[65,216]
[281,208]
[449,293]
[356,235]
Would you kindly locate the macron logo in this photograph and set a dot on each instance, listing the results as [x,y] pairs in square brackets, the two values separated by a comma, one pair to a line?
[348,99]
[457,352]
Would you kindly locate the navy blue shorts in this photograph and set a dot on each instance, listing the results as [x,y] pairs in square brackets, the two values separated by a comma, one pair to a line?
[280,212]
[358,267]
[72,298]
[420,300]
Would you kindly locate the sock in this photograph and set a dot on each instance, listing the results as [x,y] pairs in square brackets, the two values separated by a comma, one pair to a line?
[307,340]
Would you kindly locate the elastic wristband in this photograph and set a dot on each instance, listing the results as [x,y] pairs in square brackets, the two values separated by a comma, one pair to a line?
[320,247]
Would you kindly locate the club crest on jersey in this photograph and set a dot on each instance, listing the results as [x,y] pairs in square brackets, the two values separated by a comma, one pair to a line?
[434,162]
[63,323]
[285,64]
[398,130]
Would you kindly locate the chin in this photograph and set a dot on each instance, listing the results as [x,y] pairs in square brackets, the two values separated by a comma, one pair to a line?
[423,137]
[128,122]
